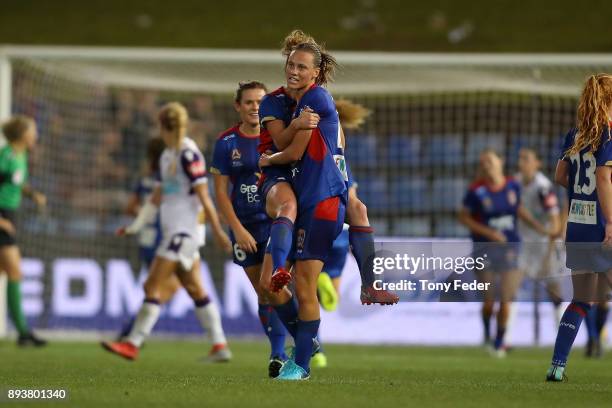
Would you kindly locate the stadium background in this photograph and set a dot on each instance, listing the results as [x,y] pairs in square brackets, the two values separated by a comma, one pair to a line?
[413,159]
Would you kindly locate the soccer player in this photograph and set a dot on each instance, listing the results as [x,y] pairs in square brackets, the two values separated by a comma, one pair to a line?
[539,198]
[585,169]
[20,133]
[320,183]
[182,190]
[149,237]
[235,161]
[491,208]
[361,235]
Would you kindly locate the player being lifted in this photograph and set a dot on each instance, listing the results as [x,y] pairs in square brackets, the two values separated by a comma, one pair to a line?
[320,183]
[280,130]
[490,210]
[20,133]
[181,192]
[585,169]
[235,162]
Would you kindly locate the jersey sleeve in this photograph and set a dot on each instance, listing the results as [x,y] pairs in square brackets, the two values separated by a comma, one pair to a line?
[220,163]
[194,166]
[567,143]
[471,202]
[603,156]
[271,108]
[320,101]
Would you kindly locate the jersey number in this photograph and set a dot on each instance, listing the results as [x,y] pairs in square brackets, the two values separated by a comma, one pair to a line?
[590,164]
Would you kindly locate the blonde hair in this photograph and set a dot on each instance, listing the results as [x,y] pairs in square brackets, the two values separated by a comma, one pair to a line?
[351,115]
[15,127]
[297,40]
[593,118]
[173,118]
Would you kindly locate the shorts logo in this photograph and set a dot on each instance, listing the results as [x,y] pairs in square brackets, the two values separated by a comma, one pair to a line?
[236,154]
[301,237]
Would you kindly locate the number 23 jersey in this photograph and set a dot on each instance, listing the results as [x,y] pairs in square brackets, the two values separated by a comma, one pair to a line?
[585,221]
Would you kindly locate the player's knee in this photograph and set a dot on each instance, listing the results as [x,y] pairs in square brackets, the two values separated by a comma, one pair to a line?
[151,289]
[288,209]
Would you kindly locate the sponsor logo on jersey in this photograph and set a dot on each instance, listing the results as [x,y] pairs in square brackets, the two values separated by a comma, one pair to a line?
[487,203]
[341,164]
[251,192]
[196,168]
[503,223]
[18,177]
[583,212]
[512,199]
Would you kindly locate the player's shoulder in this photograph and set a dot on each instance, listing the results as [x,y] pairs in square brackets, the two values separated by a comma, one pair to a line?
[229,133]
[276,96]
[476,185]
[512,182]
[189,149]
[542,181]
[317,91]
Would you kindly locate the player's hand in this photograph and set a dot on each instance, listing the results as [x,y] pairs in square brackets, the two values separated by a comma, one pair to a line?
[7,226]
[39,199]
[497,236]
[223,242]
[307,120]
[264,161]
[607,242]
[245,240]
[121,231]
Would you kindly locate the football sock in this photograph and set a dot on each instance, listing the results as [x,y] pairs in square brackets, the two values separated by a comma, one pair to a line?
[281,239]
[361,240]
[145,320]
[288,315]
[210,320]
[15,307]
[570,323]
[307,331]
[274,329]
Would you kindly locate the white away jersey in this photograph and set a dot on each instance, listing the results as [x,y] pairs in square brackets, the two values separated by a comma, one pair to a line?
[180,170]
[539,198]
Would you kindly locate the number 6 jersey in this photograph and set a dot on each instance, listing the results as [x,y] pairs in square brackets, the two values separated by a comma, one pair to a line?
[585,221]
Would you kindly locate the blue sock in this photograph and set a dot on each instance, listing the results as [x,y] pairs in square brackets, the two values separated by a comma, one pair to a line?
[361,240]
[127,328]
[568,329]
[274,329]
[281,239]
[499,338]
[288,315]
[591,325]
[600,319]
[307,330]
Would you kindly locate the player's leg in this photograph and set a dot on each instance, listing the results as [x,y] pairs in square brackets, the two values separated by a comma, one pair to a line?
[488,304]
[161,271]
[270,322]
[361,238]
[509,284]
[206,311]
[600,312]
[10,261]
[283,301]
[281,206]
[584,284]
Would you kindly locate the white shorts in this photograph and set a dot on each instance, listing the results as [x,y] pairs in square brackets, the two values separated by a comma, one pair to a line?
[180,247]
[536,261]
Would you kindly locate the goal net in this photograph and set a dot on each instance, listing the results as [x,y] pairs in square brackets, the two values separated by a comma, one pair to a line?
[413,159]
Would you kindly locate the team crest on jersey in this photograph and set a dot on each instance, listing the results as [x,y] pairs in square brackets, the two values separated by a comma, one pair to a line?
[299,242]
[512,199]
[236,154]
[487,203]
[18,177]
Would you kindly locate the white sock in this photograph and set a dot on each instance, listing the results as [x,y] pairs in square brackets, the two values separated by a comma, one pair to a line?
[510,323]
[145,320]
[210,319]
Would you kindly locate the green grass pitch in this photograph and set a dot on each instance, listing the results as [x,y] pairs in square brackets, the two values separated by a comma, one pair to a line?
[170,374]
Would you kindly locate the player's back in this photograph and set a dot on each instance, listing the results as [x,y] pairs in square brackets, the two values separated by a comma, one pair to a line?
[276,105]
[180,169]
[585,221]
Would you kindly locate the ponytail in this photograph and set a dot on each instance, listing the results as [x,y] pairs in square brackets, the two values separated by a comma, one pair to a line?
[352,115]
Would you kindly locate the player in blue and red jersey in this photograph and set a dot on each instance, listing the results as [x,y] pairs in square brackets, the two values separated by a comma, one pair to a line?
[361,236]
[490,210]
[585,169]
[319,180]
[235,162]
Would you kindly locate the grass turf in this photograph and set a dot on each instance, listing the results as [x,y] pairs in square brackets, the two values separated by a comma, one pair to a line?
[170,374]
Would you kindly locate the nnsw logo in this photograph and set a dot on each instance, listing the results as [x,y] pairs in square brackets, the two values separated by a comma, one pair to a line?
[251,192]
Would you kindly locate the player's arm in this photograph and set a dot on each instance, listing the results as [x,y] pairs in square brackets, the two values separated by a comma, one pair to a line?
[479,228]
[292,153]
[39,198]
[133,205]
[603,175]
[146,214]
[562,173]
[525,215]
[283,136]
[244,239]
[201,191]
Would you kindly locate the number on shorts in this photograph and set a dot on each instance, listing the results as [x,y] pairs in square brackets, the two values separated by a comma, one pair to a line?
[239,253]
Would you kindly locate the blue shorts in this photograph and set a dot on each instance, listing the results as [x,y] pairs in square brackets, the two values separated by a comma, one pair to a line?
[147,254]
[260,232]
[272,175]
[499,257]
[587,256]
[317,227]
[334,264]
